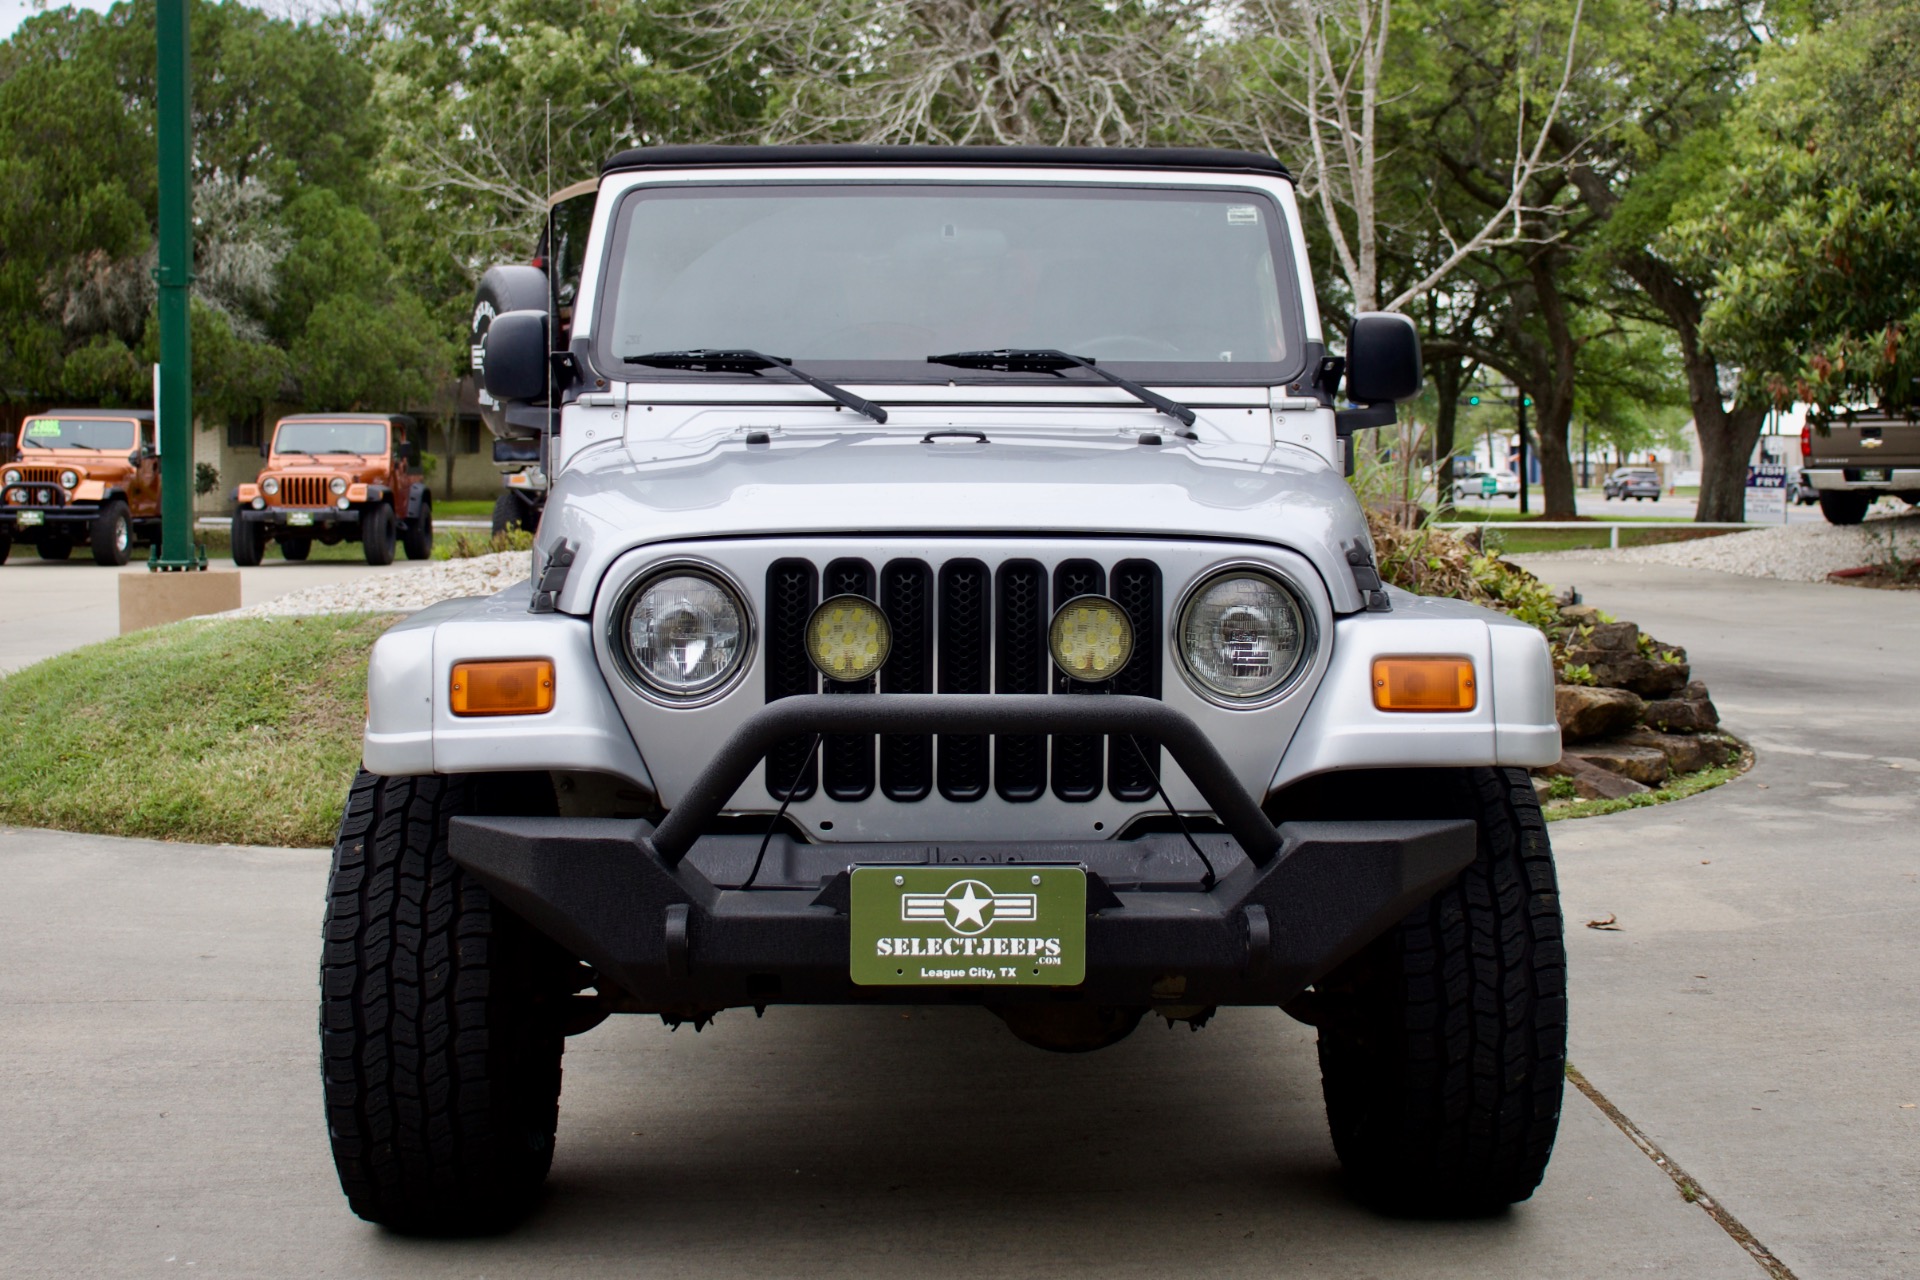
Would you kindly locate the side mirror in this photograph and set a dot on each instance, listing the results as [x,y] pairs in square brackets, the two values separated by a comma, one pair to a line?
[513,361]
[1383,359]
[266,447]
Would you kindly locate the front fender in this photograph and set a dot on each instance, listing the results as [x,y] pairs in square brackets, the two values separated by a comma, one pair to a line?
[411,730]
[1513,723]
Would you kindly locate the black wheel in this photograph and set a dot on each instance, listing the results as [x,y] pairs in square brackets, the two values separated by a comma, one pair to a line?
[1443,1044]
[296,549]
[112,534]
[418,539]
[441,1022]
[508,513]
[1843,506]
[6,546]
[247,542]
[376,533]
[54,546]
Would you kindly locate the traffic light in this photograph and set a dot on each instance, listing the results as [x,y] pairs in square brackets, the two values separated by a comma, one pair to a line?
[1527,401]
[1473,399]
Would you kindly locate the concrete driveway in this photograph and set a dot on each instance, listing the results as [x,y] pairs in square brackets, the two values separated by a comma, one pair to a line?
[53,606]
[1753,1018]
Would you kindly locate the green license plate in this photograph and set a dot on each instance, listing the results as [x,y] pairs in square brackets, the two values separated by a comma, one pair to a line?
[28,519]
[300,517]
[969,926]
[1874,475]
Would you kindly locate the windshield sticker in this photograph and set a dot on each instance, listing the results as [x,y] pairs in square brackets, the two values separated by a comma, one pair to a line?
[1242,213]
[42,429]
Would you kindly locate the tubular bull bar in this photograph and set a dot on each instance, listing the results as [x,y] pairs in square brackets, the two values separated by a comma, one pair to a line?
[637,901]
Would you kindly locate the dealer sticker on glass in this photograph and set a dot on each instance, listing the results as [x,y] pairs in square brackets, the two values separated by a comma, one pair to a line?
[964,925]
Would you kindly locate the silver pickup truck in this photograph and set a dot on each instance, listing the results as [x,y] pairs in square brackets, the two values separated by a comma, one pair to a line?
[949,592]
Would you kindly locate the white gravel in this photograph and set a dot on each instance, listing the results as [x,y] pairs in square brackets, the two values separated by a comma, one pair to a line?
[1791,553]
[403,590]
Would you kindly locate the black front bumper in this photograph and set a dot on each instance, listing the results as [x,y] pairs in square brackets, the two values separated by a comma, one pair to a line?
[78,513]
[657,911]
[319,518]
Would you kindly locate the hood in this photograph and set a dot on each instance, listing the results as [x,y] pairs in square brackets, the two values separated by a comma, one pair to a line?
[612,499]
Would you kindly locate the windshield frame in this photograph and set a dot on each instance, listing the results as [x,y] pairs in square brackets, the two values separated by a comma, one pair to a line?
[386,425]
[606,361]
[22,446]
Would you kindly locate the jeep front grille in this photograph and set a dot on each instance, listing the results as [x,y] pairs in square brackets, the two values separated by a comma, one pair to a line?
[963,627]
[304,491]
[39,475]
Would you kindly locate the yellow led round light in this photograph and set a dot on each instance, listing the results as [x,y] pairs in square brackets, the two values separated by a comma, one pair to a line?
[1091,638]
[848,638]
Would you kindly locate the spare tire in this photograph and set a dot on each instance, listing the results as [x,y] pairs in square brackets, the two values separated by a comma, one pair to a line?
[502,289]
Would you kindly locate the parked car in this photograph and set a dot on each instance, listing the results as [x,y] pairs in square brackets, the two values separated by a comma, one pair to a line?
[1641,483]
[1859,457]
[1803,492]
[82,477]
[1485,484]
[896,636]
[336,477]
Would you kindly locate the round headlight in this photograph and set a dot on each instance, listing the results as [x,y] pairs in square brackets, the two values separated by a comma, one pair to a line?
[686,634]
[17,497]
[339,484]
[1242,635]
[270,486]
[1091,638]
[68,479]
[12,477]
[848,638]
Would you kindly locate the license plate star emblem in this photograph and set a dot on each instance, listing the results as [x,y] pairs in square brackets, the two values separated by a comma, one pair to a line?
[969,907]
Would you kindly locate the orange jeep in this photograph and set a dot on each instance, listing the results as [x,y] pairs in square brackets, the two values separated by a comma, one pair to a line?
[82,476]
[338,477]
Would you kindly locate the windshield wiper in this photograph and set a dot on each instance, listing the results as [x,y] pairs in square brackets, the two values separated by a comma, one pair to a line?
[745,361]
[1047,360]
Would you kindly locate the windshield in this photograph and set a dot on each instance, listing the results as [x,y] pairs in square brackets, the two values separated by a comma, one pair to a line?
[331,437]
[104,434]
[870,279]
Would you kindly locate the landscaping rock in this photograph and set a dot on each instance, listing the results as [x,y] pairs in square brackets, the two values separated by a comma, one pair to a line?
[1585,711]
[1685,752]
[1648,677]
[1685,714]
[1645,765]
[1590,782]
[1579,615]
[1620,637]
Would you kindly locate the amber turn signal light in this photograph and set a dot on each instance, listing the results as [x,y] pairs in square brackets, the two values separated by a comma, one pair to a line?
[1424,684]
[521,687]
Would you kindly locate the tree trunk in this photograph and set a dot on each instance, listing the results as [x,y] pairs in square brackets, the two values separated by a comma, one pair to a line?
[1448,375]
[1553,393]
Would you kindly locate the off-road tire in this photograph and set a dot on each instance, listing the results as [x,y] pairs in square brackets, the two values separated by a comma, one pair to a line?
[247,543]
[54,547]
[376,533]
[1443,1043]
[441,1022]
[111,535]
[508,513]
[1841,506]
[296,549]
[418,540]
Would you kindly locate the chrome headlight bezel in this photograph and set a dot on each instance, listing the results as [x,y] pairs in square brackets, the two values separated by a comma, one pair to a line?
[69,479]
[1303,661]
[338,485]
[619,644]
[11,477]
[270,486]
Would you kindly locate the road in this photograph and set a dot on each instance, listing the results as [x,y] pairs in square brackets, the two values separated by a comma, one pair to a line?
[1754,1016]
[52,607]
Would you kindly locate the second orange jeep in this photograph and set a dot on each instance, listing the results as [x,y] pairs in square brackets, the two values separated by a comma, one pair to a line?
[336,477]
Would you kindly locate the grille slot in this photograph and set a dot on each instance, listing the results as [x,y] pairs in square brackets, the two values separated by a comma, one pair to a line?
[304,491]
[846,759]
[1136,586]
[1020,643]
[793,590]
[906,594]
[1077,758]
[964,626]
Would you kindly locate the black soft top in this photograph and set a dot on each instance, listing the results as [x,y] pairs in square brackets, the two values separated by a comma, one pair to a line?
[1203,158]
[138,415]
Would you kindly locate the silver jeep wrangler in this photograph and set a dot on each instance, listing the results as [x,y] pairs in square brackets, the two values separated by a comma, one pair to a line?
[950,591]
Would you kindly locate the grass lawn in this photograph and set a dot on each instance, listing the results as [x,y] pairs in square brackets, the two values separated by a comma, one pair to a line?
[465,508]
[243,731]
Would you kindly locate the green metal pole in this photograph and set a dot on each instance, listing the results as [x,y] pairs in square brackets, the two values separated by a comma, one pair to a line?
[175,277]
